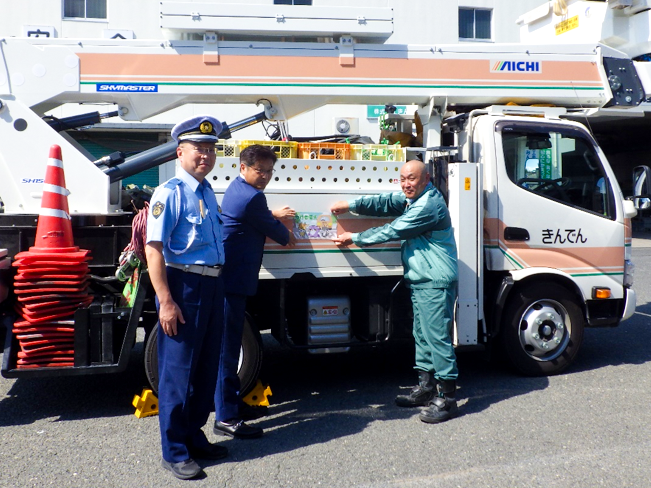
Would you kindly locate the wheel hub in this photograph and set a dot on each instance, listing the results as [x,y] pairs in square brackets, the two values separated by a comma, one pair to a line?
[544,330]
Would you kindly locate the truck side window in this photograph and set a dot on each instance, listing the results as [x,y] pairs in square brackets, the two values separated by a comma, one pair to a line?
[557,164]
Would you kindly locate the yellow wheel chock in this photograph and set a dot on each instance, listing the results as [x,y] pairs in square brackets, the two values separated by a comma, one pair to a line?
[258,396]
[146,404]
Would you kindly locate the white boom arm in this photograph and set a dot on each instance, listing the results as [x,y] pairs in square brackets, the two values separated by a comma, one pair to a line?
[145,78]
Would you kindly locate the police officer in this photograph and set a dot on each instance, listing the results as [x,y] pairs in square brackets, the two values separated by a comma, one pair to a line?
[185,256]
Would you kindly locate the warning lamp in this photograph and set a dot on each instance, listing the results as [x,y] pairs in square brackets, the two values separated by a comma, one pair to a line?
[600,293]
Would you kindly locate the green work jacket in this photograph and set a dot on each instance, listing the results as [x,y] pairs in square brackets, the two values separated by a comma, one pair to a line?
[429,252]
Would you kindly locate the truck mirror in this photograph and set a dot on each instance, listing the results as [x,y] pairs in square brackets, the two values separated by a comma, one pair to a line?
[641,182]
[538,141]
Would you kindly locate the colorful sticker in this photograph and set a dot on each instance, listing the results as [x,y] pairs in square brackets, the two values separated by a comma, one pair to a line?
[315,226]
[327,311]
[567,25]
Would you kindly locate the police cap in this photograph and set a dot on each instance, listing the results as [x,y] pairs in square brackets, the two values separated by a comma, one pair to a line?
[202,128]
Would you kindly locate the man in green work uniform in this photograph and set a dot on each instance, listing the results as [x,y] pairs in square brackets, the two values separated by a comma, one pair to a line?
[429,257]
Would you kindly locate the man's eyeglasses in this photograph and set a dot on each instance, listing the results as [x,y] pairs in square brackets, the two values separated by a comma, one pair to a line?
[208,151]
[263,172]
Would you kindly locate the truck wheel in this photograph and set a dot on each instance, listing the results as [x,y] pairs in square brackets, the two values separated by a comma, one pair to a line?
[543,329]
[151,358]
[250,364]
[248,368]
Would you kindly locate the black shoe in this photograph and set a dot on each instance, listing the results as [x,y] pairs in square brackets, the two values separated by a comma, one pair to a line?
[249,412]
[237,429]
[443,407]
[421,394]
[210,451]
[185,470]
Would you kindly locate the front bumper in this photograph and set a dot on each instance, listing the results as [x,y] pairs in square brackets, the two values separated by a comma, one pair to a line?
[629,306]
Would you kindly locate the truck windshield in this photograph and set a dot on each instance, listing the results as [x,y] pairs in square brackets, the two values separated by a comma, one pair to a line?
[559,164]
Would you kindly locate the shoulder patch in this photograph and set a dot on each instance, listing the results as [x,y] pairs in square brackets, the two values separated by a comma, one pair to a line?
[157,209]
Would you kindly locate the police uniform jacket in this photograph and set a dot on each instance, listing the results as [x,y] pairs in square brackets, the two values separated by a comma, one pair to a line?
[184,216]
[247,223]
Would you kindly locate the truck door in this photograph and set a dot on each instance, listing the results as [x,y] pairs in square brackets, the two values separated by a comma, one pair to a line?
[558,234]
[557,205]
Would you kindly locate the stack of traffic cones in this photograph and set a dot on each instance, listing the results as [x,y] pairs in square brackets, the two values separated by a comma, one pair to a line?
[52,280]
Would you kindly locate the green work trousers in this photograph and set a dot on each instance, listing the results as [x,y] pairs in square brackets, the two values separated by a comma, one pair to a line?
[433,322]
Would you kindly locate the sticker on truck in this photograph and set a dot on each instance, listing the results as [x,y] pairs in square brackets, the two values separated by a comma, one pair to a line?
[126,87]
[314,226]
[509,66]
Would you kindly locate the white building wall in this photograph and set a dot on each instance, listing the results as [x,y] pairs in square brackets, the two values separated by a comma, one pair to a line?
[13,15]
[415,21]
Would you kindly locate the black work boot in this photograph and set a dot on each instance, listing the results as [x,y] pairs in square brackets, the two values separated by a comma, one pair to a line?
[444,405]
[420,395]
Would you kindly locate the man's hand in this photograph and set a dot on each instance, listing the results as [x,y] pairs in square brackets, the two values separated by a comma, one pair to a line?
[169,314]
[340,207]
[292,240]
[285,213]
[169,311]
[344,239]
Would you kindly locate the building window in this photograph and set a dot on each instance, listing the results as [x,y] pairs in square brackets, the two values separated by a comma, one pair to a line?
[292,2]
[84,9]
[474,23]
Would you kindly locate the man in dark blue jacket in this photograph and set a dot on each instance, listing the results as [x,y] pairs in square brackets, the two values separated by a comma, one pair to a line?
[247,223]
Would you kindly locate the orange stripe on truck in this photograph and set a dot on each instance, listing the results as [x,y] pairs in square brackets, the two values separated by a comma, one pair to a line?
[190,68]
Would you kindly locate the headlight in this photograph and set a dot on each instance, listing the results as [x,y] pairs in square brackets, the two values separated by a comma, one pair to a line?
[629,271]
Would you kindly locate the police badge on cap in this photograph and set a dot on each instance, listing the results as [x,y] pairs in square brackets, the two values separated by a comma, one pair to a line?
[202,128]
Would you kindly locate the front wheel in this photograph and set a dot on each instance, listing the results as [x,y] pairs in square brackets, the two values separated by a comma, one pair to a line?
[542,329]
[248,367]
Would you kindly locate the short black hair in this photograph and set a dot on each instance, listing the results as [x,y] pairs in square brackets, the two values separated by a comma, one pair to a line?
[252,154]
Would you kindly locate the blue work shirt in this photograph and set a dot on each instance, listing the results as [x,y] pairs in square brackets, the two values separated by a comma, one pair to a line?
[184,216]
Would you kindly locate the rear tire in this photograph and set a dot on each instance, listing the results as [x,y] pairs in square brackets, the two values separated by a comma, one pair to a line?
[250,362]
[249,365]
[542,329]
[151,358]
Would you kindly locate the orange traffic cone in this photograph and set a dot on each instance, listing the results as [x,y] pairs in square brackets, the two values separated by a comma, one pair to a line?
[54,229]
[52,279]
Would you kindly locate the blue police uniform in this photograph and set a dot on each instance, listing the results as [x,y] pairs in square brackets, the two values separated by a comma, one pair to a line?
[247,223]
[184,217]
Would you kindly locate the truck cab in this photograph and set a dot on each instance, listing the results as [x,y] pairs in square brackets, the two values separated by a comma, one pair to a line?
[556,234]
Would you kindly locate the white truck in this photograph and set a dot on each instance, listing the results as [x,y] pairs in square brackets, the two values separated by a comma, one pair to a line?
[542,227]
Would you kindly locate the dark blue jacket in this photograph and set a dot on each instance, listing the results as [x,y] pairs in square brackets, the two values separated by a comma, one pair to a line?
[247,223]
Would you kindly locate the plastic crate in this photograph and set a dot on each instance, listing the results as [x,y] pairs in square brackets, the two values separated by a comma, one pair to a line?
[282,149]
[227,148]
[323,150]
[377,152]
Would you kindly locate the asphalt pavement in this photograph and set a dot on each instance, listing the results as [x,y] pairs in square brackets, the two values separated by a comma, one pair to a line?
[641,239]
[333,422]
